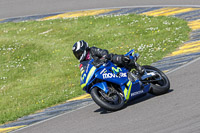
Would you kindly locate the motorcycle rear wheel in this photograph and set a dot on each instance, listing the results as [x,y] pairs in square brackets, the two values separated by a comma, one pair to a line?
[112,102]
[158,87]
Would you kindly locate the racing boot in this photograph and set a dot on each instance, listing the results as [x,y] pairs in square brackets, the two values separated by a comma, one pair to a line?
[140,69]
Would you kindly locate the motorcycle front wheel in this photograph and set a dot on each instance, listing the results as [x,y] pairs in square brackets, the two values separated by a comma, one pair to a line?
[112,101]
[160,84]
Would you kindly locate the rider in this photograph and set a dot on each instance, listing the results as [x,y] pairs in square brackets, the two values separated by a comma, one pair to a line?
[84,53]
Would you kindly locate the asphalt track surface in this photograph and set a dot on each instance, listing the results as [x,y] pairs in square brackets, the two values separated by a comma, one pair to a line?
[16,8]
[175,112]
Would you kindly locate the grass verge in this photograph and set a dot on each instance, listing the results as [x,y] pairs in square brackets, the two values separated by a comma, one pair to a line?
[37,66]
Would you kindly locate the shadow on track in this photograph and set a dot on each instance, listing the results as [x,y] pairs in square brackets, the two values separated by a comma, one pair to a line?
[136,101]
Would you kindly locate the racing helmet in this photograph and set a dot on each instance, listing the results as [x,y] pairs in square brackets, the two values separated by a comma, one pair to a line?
[80,50]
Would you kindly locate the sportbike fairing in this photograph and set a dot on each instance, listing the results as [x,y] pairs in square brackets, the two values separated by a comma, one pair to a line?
[109,72]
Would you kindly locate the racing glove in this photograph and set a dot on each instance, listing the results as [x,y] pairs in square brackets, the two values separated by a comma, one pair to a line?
[126,59]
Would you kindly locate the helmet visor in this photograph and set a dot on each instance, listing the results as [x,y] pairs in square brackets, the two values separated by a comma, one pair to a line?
[78,54]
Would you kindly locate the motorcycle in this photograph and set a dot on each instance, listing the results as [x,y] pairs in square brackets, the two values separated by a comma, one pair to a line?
[111,87]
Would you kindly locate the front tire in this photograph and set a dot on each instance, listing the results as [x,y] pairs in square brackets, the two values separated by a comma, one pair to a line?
[161,86]
[112,102]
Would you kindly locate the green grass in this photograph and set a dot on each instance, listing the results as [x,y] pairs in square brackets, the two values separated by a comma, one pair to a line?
[37,66]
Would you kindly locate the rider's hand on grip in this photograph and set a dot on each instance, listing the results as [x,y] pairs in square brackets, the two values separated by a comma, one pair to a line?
[126,59]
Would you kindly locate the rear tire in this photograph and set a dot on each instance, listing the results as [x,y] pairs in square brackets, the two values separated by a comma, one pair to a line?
[158,87]
[98,96]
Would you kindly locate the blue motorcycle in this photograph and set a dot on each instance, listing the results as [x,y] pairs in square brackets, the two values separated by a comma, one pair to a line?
[111,86]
